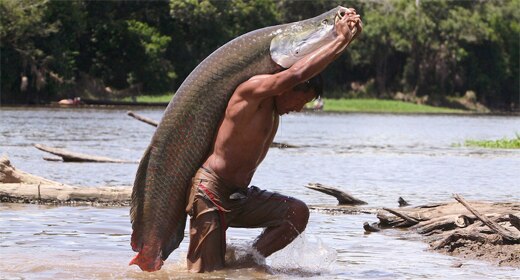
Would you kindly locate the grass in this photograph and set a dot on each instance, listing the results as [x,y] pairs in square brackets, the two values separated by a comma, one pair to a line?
[151,98]
[503,143]
[382,106]
[346,105]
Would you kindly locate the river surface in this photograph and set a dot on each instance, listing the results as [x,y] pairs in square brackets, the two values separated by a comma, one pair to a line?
[375,157]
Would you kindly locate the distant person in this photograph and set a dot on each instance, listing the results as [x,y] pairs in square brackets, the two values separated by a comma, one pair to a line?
[318,104]
[220,196]
[74,101]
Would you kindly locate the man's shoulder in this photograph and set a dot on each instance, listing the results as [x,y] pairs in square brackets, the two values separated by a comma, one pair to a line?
[252,84]
[263,86]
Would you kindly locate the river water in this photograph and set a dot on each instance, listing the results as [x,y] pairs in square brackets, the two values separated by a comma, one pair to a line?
[375,157]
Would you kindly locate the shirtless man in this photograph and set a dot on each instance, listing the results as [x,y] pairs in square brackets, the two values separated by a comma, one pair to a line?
[220,196]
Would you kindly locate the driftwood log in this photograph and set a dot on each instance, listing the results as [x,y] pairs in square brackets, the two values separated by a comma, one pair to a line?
[475,229]
[342,197]
[402,202]
[69,156]
[481,230]
[22,187]
[154,123]
[65,194]
[10,174]
[143,119]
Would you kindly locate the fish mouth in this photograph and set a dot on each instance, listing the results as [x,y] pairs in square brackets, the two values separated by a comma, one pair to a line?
[301,38]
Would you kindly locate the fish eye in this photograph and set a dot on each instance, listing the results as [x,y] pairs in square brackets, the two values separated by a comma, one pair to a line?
[325,21]
[297,50]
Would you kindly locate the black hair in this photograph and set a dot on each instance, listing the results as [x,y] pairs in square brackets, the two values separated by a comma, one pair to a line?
[315,83]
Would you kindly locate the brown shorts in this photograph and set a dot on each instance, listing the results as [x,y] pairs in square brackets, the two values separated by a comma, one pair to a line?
[214,206]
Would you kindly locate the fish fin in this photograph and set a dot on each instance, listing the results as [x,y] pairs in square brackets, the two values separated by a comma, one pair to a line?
[148,260]
[138,193]
[169,247]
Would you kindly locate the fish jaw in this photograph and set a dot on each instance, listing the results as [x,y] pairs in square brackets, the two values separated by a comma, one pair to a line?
[303,37]
[148,258]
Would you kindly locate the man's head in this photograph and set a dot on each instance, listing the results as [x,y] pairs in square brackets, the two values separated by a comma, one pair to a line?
[295,99]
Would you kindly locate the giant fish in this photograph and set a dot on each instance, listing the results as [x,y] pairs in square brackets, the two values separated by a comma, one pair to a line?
[185,134]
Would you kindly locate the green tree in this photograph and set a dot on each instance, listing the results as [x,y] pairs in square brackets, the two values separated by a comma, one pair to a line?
[63,46]
[440,33]
[435,48]
[203,26]
[382,44]
[123,47]
[155,72]
[24,63]
[492,64]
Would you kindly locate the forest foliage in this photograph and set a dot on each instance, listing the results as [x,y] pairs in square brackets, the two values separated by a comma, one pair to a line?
[104,49]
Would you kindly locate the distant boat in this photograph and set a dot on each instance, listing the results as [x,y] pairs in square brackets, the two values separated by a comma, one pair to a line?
[70,102]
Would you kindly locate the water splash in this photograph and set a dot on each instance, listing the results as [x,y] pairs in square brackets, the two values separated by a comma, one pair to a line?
[305,256]
[243,255]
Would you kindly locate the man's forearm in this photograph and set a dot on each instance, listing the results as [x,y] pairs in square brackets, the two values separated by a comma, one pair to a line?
[317,61]
[347,27]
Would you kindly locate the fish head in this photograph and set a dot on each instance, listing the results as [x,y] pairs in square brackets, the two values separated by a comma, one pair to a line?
[295,40]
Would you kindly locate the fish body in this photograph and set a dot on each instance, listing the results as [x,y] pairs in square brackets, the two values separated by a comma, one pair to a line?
[184,136]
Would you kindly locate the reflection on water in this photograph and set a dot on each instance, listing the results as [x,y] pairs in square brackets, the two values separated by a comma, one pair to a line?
[377,158]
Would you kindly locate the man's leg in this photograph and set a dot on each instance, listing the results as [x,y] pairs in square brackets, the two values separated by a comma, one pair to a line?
[284,218]
[207,237]
[275,238]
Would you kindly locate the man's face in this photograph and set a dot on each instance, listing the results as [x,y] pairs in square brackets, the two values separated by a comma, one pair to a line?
[293,101]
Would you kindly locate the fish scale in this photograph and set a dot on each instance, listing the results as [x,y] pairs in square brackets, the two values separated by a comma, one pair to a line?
[184,137]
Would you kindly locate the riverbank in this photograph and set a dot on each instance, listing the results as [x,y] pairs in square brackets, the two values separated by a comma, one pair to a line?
[341,105]
[358,105]
[488,231]
[384,106]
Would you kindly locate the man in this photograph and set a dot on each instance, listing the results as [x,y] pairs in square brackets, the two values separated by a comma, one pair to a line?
[220,197]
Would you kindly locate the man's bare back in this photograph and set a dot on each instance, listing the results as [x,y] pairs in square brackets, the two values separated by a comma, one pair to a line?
[243,139]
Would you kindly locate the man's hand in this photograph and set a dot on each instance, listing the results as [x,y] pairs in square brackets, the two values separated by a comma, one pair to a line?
[348,24]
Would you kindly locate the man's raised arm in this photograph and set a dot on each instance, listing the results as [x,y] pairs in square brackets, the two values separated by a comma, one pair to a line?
[310,65]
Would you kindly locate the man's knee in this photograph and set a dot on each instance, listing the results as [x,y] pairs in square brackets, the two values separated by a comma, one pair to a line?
[298,215]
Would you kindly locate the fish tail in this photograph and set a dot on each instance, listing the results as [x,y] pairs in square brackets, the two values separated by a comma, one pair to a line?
[148,259]
[138,196]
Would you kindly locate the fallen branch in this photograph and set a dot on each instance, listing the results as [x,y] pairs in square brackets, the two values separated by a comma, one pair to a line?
[143,119]
[22,187]
[515,221]
[64,194]
[459,229]
[402,202]
[409,220]
[154,123]
[463,221]
[443,223]
[370,228]
[473,235]
[69,156]
[282,145]
[10,174]
[504,233]
[342,197]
